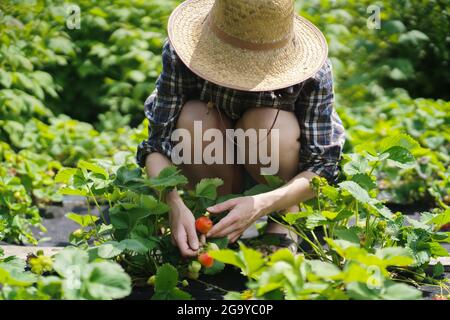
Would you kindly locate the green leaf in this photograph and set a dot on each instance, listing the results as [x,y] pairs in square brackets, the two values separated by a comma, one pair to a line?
[282,255]
[72,192]
[110,249]
[400,291]
[357,164]
[168,177]
[401,157]
[216,268]
[438,250]
[292,217]
[154,206]
[229,257]
[441,219]
[5,78]
[222,243]
[68,259]
[347,235]
[107,280]
[82,220]
[402,140]
[356,191]
[139,245]
[324,269]
[207,188]
[93,168]
[177,294]
[365,181]
[64,175]
[166,278]
[438,270]
[273,181]
[125,176]
[252,259]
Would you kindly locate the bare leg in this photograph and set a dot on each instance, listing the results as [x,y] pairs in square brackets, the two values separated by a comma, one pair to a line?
[289,147]
[231,174]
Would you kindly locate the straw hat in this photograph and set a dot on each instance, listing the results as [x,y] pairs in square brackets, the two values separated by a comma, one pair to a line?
[250,45]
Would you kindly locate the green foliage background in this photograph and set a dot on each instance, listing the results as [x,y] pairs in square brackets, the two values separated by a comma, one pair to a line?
[68,95]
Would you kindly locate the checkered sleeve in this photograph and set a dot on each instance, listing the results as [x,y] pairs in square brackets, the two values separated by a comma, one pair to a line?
[163,106]
[322,133]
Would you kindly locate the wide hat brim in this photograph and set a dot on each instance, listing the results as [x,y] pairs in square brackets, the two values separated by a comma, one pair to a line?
[243,69]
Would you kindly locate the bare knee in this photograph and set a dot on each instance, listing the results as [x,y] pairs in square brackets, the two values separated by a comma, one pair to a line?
[287,134]
[195,110]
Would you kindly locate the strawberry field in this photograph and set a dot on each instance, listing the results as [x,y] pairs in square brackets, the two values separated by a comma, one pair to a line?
[71,117]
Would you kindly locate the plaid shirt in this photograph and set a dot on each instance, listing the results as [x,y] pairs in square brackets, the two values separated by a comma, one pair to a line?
[322,134]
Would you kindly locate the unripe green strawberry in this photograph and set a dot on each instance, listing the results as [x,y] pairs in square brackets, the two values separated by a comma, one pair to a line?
[151,280]
[212,246]
[78,233]
[184,283]
[192,275]
[194,267]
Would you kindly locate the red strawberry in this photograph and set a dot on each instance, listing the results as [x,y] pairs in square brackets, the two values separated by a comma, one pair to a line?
[206,260]
[439,297]
[445,227]
[203,225]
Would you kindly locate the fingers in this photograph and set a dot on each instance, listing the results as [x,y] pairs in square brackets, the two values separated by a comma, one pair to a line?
[221,207]
[202,239]
[221,225]
[182,243]
[226,231]
[192,236]
[233,237]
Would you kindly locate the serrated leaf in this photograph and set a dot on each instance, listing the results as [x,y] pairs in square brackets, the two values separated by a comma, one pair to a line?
[72,192]
[401,157]
[402,140]
[70,259]
[64,175]
[106,280]
[139,245]
[166,278]
[365,181]
[110,249]
[356,191]
[82,220]
[438,270]
[228,256]
[93,168]
[207,188]
[168,177]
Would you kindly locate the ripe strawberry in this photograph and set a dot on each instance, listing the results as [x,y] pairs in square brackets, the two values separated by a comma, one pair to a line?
[206,260]
[445,227]
[439,297]
[203,225]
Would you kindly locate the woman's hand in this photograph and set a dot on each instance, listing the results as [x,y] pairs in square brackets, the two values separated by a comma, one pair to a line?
[182,226]
[243,212]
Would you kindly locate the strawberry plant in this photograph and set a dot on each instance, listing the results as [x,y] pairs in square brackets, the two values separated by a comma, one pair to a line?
[71,274]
